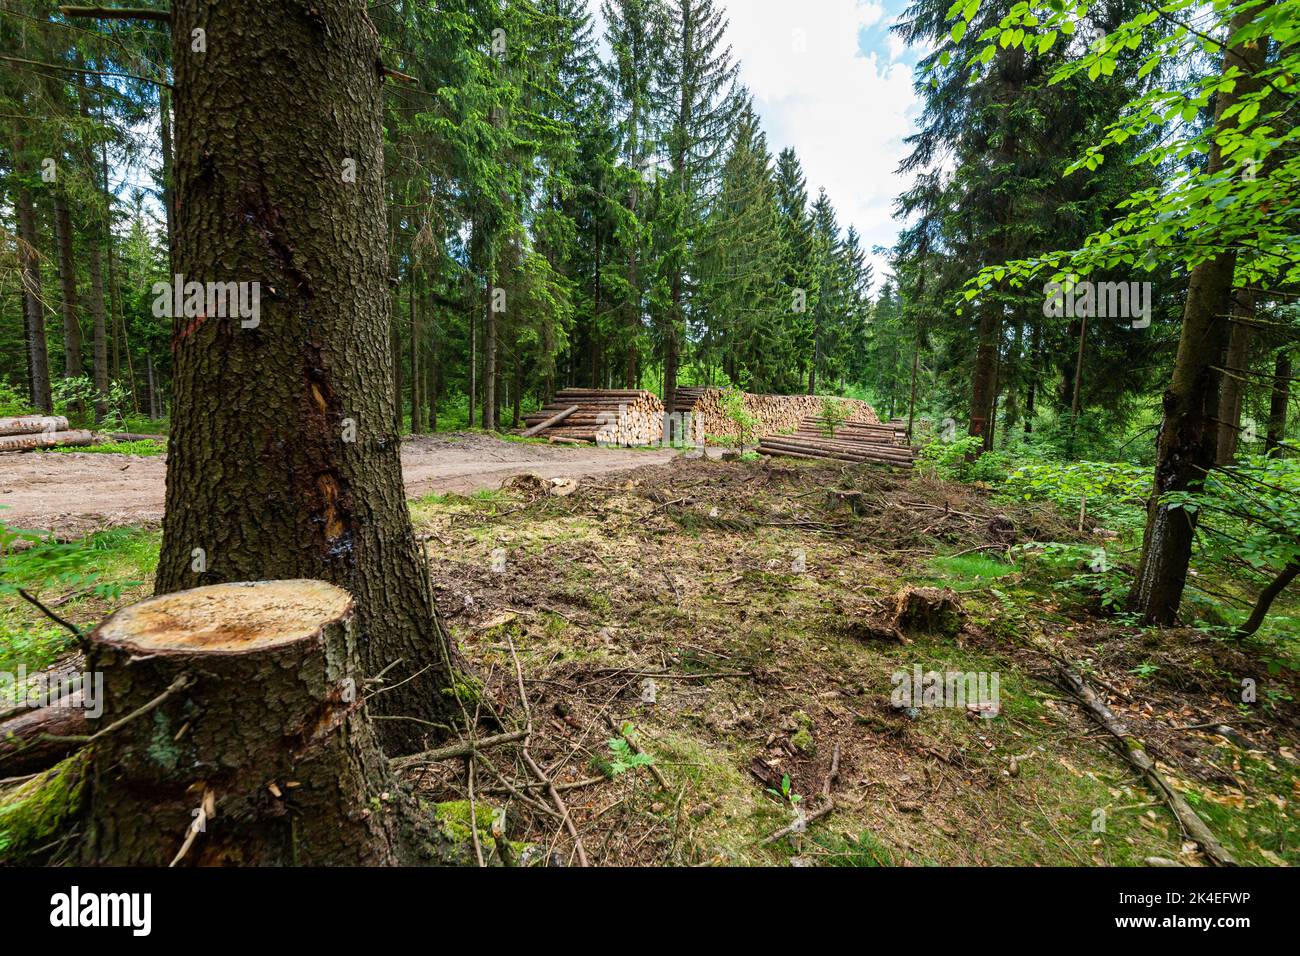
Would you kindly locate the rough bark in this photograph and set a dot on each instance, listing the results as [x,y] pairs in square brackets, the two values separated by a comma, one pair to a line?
[239,735]
[28,741]
[982,378]
[1187,446]
[489,356]
[262,479]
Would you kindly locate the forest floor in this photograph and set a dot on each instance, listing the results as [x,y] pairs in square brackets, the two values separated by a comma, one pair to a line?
[760,614]
[48,490]
[759,608]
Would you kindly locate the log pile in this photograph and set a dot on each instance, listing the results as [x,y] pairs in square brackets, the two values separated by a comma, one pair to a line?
[634,417]
[813,439]
[774,413]
[607,416]
[40,431]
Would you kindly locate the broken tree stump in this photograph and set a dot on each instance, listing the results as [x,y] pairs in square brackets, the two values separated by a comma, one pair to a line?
[928,611]
[232,734]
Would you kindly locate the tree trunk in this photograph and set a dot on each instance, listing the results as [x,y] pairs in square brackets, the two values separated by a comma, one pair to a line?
[68,286]
[982,378]
[414,308]
[263,480]
[490,353]
[254,749]
[1233,389]
[1279,400]
[1266,599]
[100,334]
[29,257]
[168,176]
[1188,441]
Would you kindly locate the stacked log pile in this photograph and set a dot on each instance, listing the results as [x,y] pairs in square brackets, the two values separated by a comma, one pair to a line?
[40,431]
[635,417]
[855,442]
[774,413]
[608,416]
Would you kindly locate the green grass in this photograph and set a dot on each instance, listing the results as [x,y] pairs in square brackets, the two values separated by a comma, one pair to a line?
[968,572]
[141,448]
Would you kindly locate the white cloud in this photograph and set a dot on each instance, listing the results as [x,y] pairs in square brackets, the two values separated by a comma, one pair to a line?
[844,112]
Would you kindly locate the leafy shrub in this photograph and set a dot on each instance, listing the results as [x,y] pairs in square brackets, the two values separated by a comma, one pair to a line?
[1115,492]
[962,460]
[13,402]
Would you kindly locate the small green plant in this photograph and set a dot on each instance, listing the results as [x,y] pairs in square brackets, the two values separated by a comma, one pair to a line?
[623,757]
[746,423]
[786,794]
[834,413]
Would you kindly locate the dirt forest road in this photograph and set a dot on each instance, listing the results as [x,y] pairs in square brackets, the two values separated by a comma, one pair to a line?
[77,493]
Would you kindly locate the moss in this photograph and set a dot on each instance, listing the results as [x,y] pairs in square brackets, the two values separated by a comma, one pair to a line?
[467,688]
[803,738]
[453,819]
[32,812]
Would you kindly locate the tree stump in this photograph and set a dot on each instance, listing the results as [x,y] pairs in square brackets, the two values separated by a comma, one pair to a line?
[258,754]
[935,611]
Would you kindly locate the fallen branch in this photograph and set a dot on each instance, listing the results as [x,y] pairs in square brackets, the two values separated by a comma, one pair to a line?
[537,771]
[1137,755]
[463,749]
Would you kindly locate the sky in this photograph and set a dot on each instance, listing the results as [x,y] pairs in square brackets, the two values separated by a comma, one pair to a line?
[828,79]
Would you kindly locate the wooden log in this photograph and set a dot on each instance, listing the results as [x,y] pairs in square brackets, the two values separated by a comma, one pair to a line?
[26,744]
[32,424]
[46,440]
[553,420]
[237,706]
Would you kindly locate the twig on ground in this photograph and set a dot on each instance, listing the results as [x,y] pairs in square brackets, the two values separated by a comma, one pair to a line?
[1137,755]
[554,794]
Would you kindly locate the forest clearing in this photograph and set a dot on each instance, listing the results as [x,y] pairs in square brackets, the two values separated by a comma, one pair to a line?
[671,435]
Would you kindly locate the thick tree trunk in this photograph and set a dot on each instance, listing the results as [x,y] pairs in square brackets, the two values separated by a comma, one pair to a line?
[1233,389]
[68,286]
[283,461]
[250,746]
[28,256]
[1188,442]
[1279,399]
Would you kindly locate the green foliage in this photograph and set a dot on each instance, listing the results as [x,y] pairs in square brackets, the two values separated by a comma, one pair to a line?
[147,449]
[746,423]
[1115,492]
[12,402]
[785,794]
[834,414]
[622,757]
